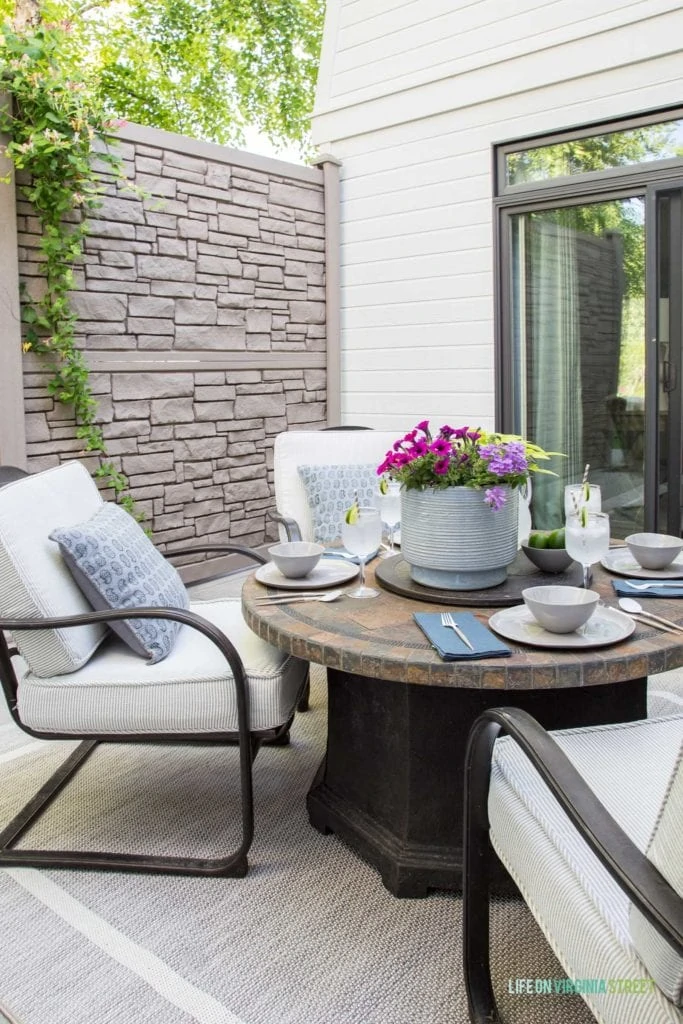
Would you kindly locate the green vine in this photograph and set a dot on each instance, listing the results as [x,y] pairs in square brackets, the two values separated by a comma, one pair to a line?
[54,125]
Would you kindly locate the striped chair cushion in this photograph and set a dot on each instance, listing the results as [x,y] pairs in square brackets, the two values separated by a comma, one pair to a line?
[580,909]
[187,692]
[34,581]
[665,850]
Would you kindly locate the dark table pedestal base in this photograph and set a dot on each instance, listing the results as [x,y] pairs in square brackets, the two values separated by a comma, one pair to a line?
[391,784]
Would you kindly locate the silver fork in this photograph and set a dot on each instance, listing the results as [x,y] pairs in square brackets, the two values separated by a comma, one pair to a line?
[448,620]
[650,586]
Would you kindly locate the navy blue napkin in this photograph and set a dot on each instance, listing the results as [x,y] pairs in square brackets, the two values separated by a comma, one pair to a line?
[673,589]
[449,645]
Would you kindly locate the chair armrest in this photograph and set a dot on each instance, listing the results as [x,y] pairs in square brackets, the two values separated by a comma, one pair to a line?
[217,549]
[638,877]
[291,526]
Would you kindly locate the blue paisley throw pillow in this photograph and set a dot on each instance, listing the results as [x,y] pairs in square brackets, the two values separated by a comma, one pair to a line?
[330,491]
[116,565]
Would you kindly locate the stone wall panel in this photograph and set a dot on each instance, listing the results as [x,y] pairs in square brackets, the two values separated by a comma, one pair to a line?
[217,260]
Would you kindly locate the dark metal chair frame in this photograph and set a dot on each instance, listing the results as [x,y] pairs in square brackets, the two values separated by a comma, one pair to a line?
[645,886]
[233,865]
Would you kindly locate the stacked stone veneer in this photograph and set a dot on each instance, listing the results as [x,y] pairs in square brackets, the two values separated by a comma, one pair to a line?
[201,311]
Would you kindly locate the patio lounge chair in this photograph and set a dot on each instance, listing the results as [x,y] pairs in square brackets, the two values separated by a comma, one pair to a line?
[589,824]
[65,676]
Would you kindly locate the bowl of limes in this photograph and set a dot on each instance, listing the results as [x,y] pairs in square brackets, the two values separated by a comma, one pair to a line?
[545,548]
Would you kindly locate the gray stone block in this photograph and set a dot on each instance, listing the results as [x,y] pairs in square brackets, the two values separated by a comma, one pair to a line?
[238,226]
[201,448]
[158,462]
[188,228]
[122,211]
[213,410]
[195,311]
[184,430]
[259,321]
[172,410]
[172,247]
[150,306]
[251,406]
[214,338]
[297,196]
[98,306]
[165,268]
[307,312]
[163,384]
[150,325]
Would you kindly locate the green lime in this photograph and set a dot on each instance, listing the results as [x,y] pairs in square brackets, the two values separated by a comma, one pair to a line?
[586,491]
[351,516]
[583,515]
[383,485]
[556,538]
[538,539]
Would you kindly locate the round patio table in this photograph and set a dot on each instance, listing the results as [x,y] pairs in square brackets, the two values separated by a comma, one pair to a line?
[391,782]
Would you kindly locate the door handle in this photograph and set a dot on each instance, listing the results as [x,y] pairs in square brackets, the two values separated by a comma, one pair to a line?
[669,376]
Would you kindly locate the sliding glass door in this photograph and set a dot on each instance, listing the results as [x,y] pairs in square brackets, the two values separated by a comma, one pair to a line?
[590,326]
[577,321]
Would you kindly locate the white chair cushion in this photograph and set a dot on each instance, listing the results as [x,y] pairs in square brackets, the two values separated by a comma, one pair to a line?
[320,448]
[580,909]
[665,850]
[190,691]
[34,581]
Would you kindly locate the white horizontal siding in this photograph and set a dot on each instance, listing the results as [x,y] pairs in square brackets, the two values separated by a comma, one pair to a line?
[574,62]
[375,55]
[417,274]
[391,270]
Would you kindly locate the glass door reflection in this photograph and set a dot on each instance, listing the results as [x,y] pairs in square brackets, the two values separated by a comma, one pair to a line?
[577,281]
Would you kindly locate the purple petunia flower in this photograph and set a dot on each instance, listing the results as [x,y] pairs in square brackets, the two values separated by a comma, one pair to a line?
[440,447]
[495,497]
[505,459]
[441,466]
[423,425]
[446,431]
[418,449]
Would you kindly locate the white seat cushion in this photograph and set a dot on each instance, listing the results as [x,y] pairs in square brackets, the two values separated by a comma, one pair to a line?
[34,579]
[665,850]
[581,910]
[190,691]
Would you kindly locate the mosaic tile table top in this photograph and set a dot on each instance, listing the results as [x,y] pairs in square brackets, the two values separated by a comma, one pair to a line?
[379,638]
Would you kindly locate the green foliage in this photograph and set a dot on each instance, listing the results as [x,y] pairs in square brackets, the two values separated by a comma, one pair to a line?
[52,123]
[203,68]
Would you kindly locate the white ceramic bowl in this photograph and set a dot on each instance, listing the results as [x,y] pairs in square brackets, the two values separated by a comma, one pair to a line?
[296,558]
[560,609]
[548,559]
[653,550]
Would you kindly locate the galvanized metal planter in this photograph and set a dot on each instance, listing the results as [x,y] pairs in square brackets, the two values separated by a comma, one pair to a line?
[453,540]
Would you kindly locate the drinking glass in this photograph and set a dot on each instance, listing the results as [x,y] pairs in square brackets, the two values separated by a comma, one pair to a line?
[390,508]
[587,543]
[362,538]
[574,499]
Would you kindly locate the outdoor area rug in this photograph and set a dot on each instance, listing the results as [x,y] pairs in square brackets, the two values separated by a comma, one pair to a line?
[310,936]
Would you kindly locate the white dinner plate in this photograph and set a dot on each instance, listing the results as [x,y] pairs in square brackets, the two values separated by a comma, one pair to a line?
[605,626]
[621,561]
[327,573]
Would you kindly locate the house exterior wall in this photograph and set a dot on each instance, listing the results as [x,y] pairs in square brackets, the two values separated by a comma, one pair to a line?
[201,310]
[412,97]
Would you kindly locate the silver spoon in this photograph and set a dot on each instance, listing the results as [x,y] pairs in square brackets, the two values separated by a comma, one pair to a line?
[635,608]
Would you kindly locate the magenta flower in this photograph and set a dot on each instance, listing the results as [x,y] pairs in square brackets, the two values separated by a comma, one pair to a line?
[461,457]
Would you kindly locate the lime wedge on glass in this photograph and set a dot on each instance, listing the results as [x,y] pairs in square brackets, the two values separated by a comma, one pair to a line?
[351,515]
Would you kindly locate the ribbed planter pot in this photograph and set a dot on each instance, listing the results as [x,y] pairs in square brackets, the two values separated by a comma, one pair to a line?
[453,540]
